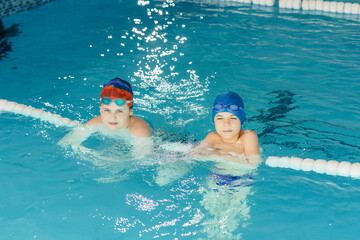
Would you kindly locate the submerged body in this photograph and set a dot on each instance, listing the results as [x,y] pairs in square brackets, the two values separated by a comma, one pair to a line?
[236,153]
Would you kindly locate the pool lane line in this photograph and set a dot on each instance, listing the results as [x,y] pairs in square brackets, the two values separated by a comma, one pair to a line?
[24,110]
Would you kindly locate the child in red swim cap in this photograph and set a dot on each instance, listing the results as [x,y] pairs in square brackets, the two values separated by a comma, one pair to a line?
[116,109]
[116,113]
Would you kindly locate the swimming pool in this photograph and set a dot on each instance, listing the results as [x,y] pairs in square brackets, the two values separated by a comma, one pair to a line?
[296,71]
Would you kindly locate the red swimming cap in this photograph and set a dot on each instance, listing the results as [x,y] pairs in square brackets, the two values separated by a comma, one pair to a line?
[118,88]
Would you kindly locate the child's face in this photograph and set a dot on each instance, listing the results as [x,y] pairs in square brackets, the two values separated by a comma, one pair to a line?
[114,116]
[228,126]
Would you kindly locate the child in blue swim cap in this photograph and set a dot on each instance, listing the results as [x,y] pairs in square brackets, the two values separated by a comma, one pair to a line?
[228,114]
[229,102]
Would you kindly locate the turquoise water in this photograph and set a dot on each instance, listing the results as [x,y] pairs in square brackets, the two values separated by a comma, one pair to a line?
[297,73]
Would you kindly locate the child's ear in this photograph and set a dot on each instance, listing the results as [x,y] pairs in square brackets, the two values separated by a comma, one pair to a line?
[131,112]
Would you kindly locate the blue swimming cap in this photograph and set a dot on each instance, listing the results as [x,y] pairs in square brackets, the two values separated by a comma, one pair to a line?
[228,98]
[120,84]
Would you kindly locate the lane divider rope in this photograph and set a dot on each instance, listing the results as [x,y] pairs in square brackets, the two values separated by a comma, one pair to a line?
[331,167]
[17,108]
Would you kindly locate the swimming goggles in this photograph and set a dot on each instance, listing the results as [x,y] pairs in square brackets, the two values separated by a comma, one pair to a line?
[219,107]
[118,101]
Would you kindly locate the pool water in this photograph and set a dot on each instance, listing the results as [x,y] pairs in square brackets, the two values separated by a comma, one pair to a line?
[296,71]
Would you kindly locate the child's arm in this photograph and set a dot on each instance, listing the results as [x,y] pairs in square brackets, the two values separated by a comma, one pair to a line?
[74,140]
[79,134]
[251,148]
[205,148]
[251,143]
[75,137]
[214,149]
[142,147]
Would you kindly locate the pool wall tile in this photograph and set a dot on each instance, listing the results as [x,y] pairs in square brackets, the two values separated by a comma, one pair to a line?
[9,7]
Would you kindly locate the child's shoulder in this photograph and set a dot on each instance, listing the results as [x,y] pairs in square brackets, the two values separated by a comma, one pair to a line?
[139,127]
[94,121]
[137,122]
[213,137]
[249,135]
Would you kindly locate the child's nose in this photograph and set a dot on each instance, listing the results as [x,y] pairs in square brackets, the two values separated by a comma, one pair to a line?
[113,115]
[227,121]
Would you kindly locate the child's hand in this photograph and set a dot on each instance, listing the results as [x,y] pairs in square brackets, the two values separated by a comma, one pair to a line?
[227,148]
